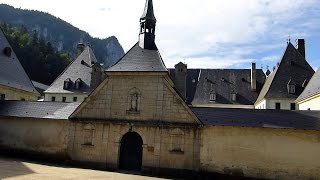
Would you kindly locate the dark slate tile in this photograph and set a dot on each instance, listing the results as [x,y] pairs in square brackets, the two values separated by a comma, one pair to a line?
[12,73]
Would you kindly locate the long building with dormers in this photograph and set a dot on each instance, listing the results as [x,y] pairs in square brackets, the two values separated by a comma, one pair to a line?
[78,80]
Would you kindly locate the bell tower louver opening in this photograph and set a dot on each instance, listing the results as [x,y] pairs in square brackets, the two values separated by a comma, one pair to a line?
[147,27]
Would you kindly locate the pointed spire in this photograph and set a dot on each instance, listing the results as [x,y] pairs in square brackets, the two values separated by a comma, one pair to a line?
[147,27]
[148,11]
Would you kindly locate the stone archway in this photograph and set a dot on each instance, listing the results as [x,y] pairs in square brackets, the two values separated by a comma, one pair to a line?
[131,152]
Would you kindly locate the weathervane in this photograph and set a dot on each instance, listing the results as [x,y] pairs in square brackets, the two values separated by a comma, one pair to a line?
[289,40]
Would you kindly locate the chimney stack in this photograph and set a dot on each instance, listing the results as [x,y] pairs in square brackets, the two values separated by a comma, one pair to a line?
[300,45]
[181,78]
[253,77]
[80,48]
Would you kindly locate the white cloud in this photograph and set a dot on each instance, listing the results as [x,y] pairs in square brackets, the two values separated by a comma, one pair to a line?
[207,33]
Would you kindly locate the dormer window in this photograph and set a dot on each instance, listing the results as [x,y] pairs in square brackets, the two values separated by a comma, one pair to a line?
[78,83]
[305,83]
[213,96]
[291,87]
[233,97]
[67,84]
[7,51]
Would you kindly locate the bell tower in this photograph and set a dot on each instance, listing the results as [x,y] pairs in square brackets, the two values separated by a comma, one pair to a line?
[147,27]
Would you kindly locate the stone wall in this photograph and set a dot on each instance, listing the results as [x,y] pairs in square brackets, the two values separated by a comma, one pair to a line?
[41,136]
[261,152]
[16,94]
[311,103]
[157,145]
[285,104]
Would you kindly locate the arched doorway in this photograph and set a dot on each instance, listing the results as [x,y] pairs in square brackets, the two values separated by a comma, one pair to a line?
[131,152]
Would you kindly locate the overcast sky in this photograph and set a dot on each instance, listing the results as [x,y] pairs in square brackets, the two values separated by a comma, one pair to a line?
[201,33]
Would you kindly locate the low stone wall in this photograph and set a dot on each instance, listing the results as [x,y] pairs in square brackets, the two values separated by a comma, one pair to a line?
[260,152]
[47,137]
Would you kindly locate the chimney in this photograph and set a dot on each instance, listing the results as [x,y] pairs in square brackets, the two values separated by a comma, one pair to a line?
[253,77]
[181,78]
[80,48]
[97,75]
[300,45]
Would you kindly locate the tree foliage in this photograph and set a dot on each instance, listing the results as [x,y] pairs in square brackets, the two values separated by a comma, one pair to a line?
[39,58]
[61,34]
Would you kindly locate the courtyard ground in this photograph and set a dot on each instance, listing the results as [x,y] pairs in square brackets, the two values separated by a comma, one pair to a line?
[15,169]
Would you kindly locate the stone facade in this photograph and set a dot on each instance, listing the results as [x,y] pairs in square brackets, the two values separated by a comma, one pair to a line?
[17,94]
[157,100]
[260,152]
[285,104]
[168,128]
[158,143]
[70,97]
[312,103]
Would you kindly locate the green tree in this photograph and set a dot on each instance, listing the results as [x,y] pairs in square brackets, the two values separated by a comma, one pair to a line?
[38,57]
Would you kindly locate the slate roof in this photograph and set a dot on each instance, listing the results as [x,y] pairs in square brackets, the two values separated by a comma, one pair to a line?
[312,88]
[259,118]
[201,82]
[12,73]
[139,60]
[148,11]
[81,68]
[191,84]
[293,66]
[43,110]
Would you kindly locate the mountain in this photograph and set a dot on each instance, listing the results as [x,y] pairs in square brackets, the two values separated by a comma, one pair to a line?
[61,34]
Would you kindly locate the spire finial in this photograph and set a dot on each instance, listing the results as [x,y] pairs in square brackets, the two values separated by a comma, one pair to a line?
[148,11]
[289,39]
[147,27]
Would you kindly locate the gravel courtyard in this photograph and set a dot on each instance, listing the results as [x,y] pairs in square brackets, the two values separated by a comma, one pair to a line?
[19,169]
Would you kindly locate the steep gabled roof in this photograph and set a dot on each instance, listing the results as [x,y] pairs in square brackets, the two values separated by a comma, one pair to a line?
[81,68]
[312,88]
[293,66]
[224,82]
[12,73]
[43,110]
[139,60]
